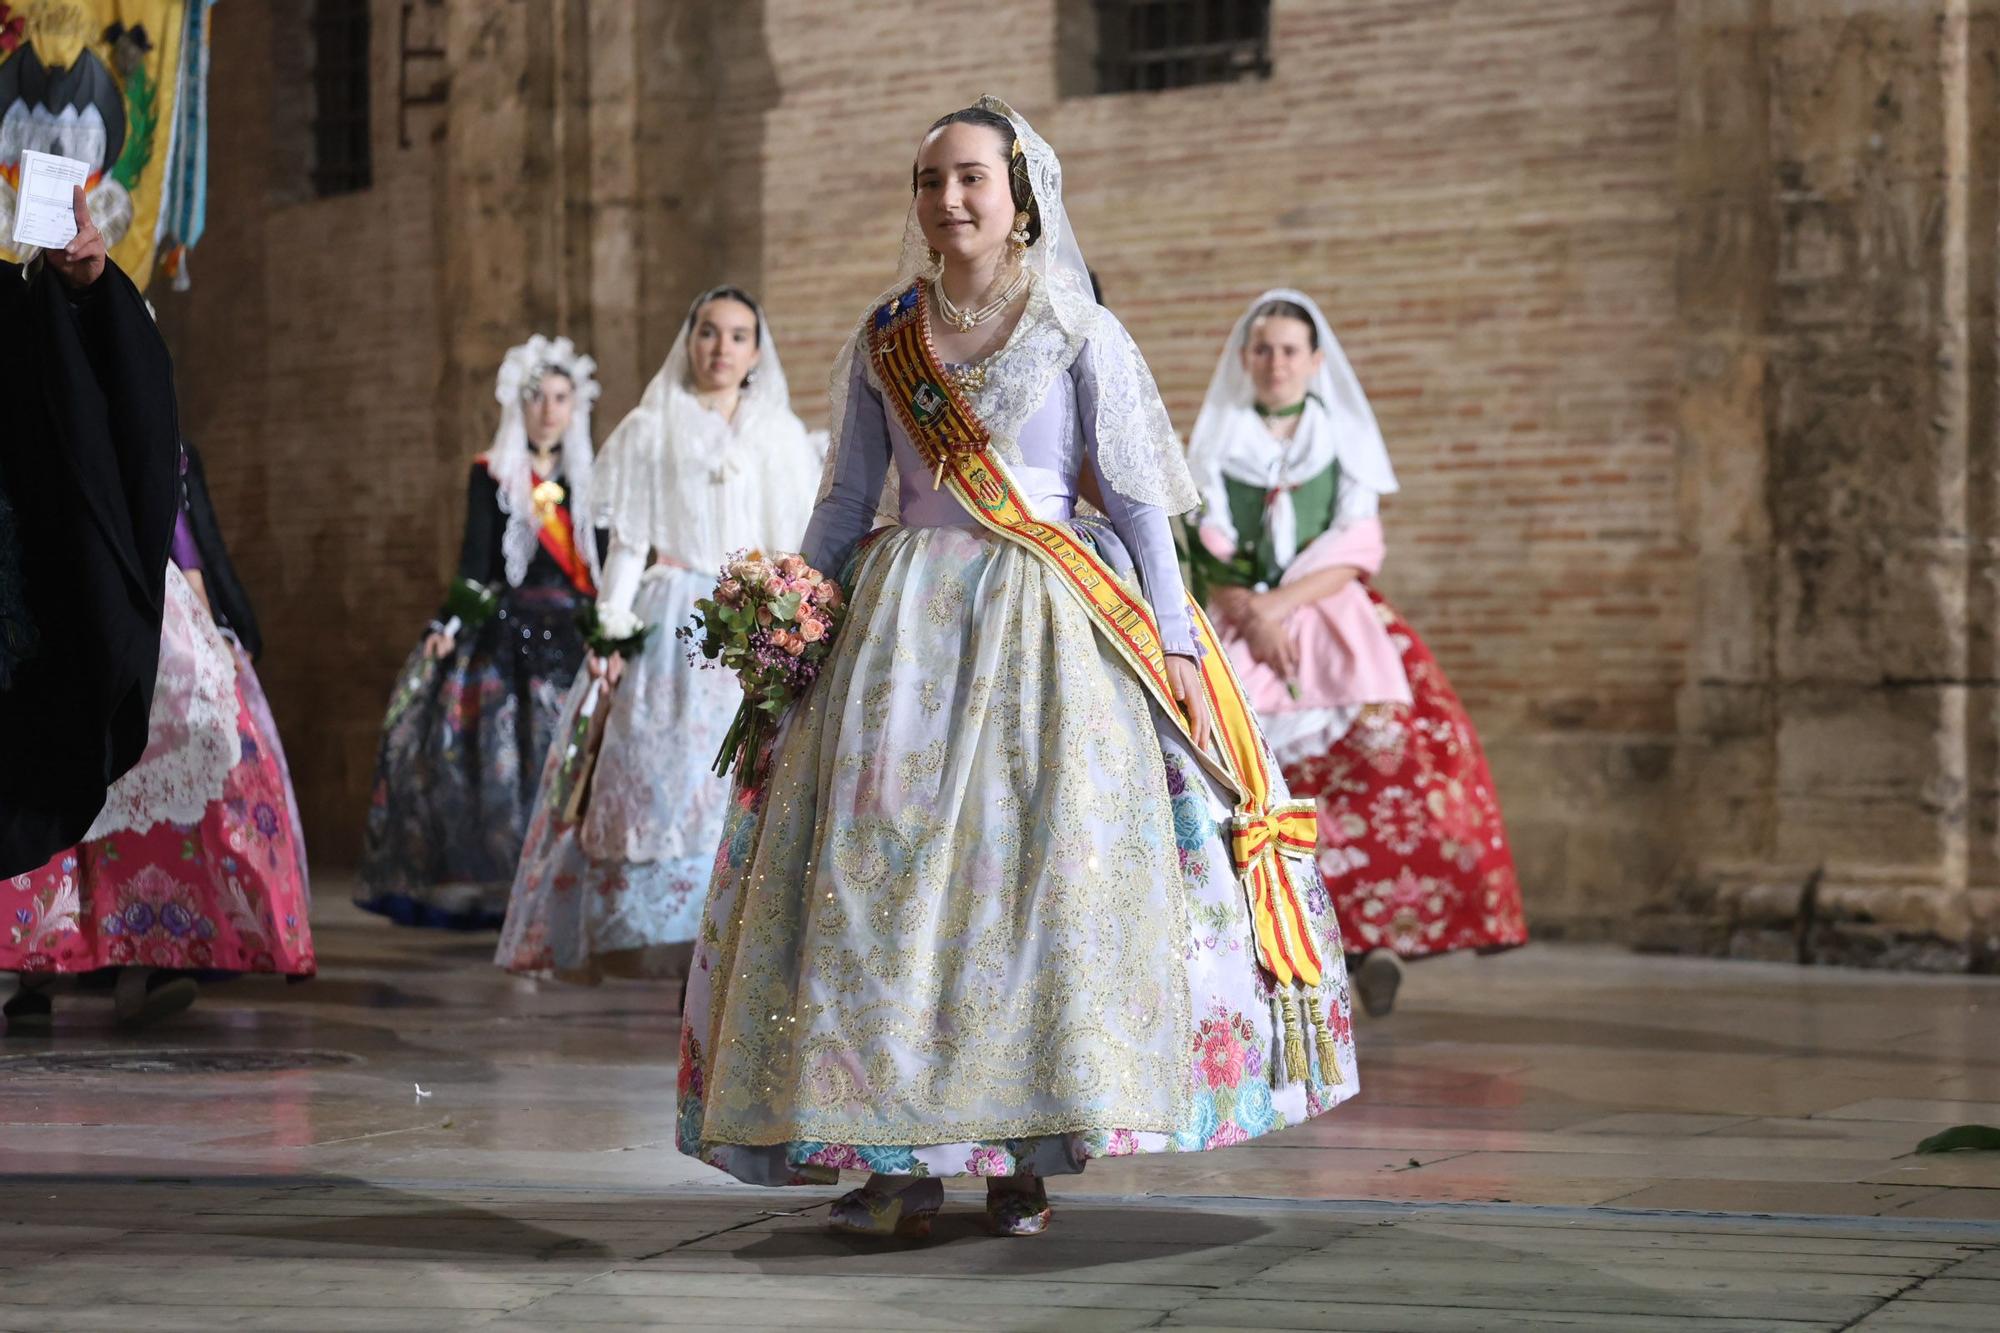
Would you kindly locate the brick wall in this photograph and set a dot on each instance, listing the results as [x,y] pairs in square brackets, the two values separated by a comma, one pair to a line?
[1481,193]
[308,355]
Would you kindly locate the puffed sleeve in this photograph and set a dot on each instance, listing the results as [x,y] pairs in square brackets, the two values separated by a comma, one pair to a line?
[479,552]
[479,558]
[846,513]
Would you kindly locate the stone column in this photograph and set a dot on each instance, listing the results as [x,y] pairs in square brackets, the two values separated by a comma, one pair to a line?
[1981,171]
[587,189]
[1836,292]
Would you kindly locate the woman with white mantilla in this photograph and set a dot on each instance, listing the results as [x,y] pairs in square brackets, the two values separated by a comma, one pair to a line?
[1292,468]
[622,841]
[978,913]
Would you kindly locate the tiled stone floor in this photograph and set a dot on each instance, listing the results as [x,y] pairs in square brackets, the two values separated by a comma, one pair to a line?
[1565,1137]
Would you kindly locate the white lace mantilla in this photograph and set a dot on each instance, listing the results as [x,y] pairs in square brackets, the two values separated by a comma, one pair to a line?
[1138,452]
[192,741]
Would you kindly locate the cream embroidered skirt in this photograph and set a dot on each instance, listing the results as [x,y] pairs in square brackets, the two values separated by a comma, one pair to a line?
[979,917]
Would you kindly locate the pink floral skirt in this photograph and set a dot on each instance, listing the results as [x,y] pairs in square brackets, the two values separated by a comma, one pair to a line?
[224,894]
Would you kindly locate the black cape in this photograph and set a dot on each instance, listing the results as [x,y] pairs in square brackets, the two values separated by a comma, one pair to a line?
[226,594]
[89,462]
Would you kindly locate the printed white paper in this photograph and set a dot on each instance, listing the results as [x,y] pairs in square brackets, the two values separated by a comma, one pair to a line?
[45,211]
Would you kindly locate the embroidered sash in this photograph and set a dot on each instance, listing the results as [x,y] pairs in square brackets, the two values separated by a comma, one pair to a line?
[951,439]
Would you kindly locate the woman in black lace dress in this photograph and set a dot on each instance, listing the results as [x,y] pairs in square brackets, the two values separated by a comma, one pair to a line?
[475,708]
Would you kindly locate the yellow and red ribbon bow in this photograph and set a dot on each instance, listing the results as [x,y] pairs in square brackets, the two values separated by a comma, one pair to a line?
[1262,841]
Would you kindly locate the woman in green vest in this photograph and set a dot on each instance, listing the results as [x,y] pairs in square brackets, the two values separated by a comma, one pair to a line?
[1291,466]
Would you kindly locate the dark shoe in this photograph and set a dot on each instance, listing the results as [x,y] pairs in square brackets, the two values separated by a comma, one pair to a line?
[905,1214]
[1018,1212]
[29,1009]
[145,996]
[1377,980]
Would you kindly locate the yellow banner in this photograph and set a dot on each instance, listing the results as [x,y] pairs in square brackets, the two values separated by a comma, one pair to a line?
[94,80]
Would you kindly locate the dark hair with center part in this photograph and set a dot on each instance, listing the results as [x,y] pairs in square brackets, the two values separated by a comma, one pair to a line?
[1287,310]
[1017,163]
[533,384]
[728,293]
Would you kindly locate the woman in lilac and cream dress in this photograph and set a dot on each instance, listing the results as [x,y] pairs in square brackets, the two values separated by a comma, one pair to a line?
[978,912]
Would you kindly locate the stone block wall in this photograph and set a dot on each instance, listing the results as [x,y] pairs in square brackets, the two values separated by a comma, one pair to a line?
[1837,286]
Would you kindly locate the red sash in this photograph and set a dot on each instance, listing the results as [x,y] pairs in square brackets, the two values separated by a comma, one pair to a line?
[558,538]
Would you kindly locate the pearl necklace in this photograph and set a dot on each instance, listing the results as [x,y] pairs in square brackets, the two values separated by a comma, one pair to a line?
[965,321]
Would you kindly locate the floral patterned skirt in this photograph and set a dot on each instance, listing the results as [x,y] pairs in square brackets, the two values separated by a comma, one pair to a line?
[980,918]
[620,889]
[1411,840]
[462,746]
[224,893]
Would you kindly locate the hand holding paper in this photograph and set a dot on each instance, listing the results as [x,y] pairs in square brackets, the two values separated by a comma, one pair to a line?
[42,214]
[51,216]
[80,262]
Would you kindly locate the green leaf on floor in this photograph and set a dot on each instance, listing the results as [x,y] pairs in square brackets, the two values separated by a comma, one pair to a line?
[1963,1138]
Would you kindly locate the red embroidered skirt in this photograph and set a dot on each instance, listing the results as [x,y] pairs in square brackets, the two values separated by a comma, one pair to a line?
[1411,842]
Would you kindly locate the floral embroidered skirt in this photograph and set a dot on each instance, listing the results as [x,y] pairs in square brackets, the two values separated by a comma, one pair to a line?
[462,746]
[1411,842]
[980,918]
[223,891]
[616,887]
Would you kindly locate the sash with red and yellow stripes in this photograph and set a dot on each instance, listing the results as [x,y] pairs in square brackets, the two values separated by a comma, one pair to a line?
[557,535]
[555,531]
[1266,835]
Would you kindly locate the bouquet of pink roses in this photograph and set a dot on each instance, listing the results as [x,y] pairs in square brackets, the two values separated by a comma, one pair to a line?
[771,620]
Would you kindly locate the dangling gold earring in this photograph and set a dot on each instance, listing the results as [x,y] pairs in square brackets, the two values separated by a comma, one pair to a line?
[1019,236]
[935,259]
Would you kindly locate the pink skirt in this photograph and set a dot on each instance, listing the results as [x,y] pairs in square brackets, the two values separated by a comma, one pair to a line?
[224,893]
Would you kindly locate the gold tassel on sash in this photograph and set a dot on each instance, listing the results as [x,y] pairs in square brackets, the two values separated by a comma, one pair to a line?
[1295,1046]
[1329,1053]
[1275,1067]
